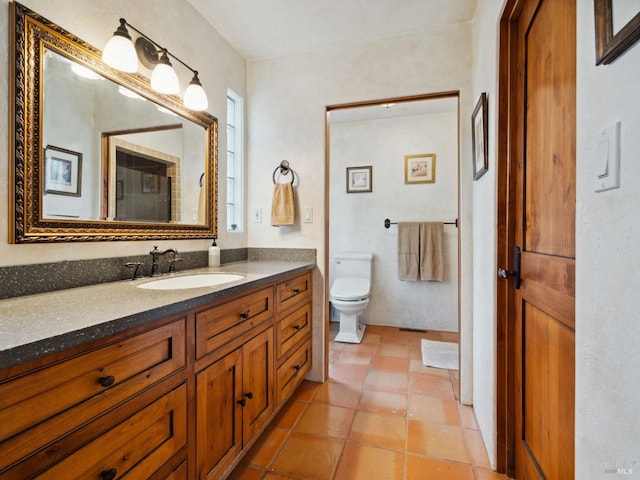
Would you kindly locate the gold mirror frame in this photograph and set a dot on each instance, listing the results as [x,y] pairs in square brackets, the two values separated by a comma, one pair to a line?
[29,33]
[610,45]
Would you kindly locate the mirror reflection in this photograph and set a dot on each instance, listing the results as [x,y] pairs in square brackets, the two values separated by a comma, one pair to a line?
[97,154]
[111,154]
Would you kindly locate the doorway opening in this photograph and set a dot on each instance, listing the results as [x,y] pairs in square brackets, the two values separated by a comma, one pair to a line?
[376,139]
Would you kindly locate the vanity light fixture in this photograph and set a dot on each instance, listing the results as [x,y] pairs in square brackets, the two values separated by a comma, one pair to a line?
[120,53]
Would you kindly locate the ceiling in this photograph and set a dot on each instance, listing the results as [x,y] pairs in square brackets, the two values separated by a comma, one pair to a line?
[261,28]
[393,110]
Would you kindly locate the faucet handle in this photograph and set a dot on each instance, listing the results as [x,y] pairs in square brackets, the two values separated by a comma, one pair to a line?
[138,269]
[172,263]
[155,251]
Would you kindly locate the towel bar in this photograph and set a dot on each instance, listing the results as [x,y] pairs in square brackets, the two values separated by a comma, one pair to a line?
[388,223]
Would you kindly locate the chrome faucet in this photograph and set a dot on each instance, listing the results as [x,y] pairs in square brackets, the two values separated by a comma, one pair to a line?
[155,256]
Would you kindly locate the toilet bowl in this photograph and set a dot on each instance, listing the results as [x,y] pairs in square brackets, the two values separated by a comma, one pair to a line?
[350,292]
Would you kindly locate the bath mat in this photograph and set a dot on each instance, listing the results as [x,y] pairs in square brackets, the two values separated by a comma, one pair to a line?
[440,354]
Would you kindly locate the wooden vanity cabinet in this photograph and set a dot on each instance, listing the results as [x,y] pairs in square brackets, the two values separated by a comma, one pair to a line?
[293,334]
[117,407]
[181,398]
[235,400]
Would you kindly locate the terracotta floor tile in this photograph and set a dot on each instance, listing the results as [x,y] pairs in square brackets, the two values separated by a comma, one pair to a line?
[437,440]
[348,374]
[419,468]
[383,402]
[266,447]
[426,408]
[306,391]
[433,335]
[450,337]
[475,446]
[488,474]
[467,417]
[351,358]
[327,420]
[416,366]
[340,394]
[394,364]
[429,385]
[246,472]
[388,381]
[362,462]
[289,414]
[393,350]
[360,348]
[308,456]
[370,337]
[378,430]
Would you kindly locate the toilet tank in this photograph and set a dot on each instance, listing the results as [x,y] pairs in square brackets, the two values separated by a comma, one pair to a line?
[353,265]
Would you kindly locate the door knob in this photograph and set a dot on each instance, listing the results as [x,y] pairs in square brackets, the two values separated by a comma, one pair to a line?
[515,273]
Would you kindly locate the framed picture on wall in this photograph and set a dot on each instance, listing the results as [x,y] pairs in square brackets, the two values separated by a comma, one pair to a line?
[420,168]
[617,28]
[479,138]
[63,171]
[359,179]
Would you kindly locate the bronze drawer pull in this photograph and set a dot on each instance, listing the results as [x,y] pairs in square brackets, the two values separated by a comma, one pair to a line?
[108,474]
[245,315]
[242,402]
[107,382]
[296,291]
[249,395]
[297,327]
[297,368]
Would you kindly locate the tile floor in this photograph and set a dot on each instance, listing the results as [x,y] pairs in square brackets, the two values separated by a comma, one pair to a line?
[382,415]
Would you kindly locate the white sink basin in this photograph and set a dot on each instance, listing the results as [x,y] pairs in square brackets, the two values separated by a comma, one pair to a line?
[191,281]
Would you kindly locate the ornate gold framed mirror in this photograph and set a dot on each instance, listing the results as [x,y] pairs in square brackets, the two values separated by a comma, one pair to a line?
[96,154]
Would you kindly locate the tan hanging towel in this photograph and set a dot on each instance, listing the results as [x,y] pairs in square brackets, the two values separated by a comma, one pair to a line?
[408,251]
[431,252]
[282,206]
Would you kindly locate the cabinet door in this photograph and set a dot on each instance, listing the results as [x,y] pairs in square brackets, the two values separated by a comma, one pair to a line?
[219,415]
[258,373]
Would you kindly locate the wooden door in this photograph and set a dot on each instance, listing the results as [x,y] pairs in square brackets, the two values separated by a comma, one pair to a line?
[542,212]
[219,415]
[258,382]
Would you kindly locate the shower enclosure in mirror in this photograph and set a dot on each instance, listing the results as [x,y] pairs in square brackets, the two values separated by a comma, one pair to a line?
[148,165]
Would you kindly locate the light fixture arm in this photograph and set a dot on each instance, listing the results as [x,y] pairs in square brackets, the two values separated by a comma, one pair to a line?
[157,45]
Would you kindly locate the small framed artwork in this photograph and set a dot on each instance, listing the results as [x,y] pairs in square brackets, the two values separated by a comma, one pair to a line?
[359,179]
[480,137]
[63,171]
[149,183]
[420,168]
[617,28]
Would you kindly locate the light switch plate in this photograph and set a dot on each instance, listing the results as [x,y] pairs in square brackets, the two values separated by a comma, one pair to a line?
[256,216]
[308,215]
[607,172]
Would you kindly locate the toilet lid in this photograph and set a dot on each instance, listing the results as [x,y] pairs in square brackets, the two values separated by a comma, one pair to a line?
[350,288]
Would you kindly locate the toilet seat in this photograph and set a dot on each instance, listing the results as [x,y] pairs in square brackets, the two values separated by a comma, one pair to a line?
[350,289]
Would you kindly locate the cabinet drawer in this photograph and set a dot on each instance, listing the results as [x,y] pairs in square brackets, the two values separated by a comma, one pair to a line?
[133,448]
[293,328]
[292,371]
[43,405]
[219,325]
[294,291]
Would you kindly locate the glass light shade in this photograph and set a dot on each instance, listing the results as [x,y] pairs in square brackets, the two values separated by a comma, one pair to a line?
[164,78]
[195,97]
[120,53]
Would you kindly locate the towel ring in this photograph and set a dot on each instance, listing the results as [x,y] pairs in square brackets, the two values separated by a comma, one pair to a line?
[284,170]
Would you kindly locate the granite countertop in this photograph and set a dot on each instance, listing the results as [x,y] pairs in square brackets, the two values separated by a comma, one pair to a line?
[36,325]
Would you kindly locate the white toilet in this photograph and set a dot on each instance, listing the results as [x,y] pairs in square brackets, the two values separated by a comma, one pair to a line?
[350,293]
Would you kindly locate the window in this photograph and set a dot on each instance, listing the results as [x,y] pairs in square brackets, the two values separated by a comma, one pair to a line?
[235,111]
